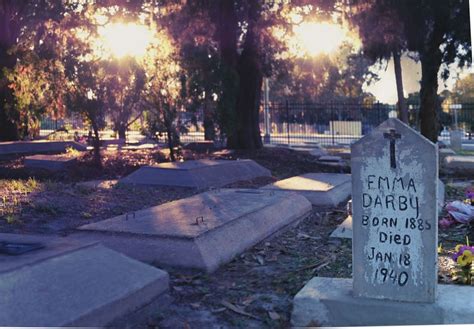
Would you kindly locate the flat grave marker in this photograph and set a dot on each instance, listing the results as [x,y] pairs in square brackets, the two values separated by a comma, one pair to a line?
[39,146]
[202,231]
[62,282]
[49,162]
[199,174]
[461,164]
[321,189]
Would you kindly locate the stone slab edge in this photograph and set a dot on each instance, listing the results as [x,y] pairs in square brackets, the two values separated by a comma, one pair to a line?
[248,164]
[329,302]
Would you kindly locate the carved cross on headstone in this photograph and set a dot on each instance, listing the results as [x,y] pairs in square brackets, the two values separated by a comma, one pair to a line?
[392,136]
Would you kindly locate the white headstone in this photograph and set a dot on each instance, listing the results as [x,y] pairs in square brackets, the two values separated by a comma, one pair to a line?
[394,189]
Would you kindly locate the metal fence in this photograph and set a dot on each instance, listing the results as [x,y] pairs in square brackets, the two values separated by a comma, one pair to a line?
[322,123]
[451,116]
[344,123]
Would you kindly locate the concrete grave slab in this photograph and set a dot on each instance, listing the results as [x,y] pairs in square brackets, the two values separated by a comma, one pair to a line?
[198,174]
[321,189]
[203,231]
[201,146]
[318,152]
[49,162]
[67,283]
[330,158]
[443,153]
[459,163]
[394,211]
[344,230]
[40,146]
[330,302]
[461,184]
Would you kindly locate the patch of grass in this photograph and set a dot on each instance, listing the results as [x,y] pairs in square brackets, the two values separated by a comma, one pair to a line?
[72,152]
[12,218]
[20,185]
[466,152]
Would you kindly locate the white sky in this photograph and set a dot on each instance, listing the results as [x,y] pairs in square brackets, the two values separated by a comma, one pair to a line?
[385,90]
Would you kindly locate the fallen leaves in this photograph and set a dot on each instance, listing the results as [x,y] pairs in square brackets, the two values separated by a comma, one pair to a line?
[274,315]
[238,310]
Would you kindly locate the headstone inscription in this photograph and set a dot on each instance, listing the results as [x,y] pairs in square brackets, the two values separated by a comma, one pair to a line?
[394,189]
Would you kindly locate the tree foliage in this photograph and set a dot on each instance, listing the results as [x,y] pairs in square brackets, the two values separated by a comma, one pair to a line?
[382,35]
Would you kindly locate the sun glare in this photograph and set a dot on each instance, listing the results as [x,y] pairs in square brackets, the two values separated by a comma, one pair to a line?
[120,40]
[317,38]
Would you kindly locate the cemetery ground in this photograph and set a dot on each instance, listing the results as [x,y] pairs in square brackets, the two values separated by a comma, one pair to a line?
[254,290]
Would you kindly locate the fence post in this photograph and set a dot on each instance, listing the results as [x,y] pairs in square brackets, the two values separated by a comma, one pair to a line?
[378,113]
[331,122]
[287,122]
[266,112]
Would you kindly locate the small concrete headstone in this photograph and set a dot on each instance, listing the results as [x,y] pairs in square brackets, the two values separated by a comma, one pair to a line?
[321,189]
[394,190]
[455,140]
[202,231]
[197,174]
[394,243]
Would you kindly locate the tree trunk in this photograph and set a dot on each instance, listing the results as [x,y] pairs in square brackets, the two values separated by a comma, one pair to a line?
[97,157]
[250,89]
[122,132]
[8,131]
[402,108]
[209,129]
[429,123]
[226,35]
[169,133]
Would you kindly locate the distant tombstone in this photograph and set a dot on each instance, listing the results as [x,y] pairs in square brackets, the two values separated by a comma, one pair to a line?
[394,190]
[455,140]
